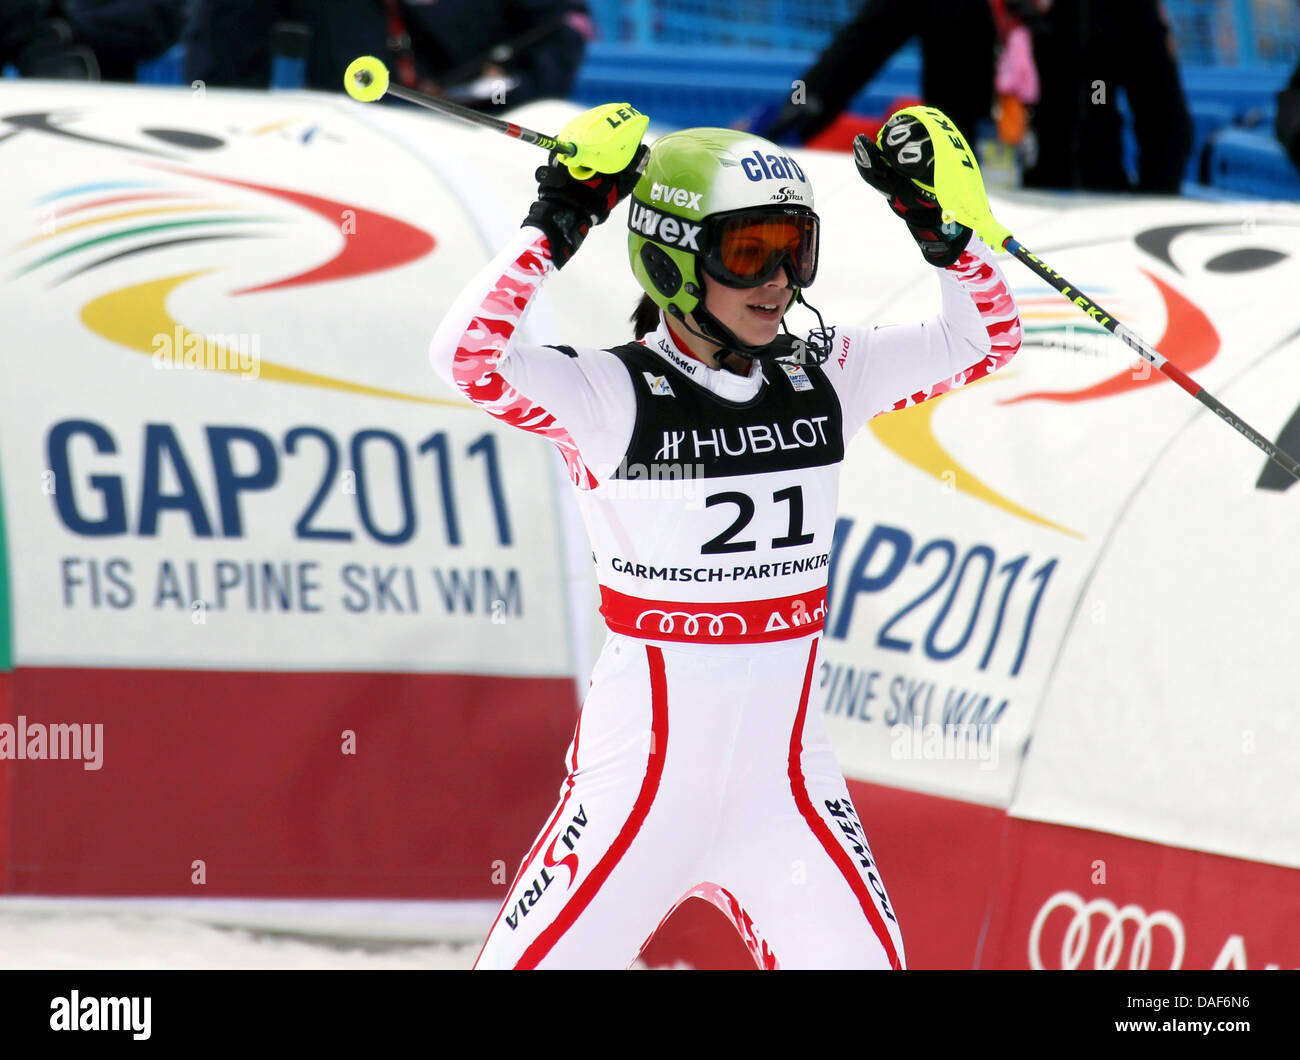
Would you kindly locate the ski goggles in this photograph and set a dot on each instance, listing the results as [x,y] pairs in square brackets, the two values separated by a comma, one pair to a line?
[745,249]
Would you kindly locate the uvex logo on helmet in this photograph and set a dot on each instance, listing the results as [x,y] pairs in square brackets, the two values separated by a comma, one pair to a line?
[663,227]
[676,196]
[758,166]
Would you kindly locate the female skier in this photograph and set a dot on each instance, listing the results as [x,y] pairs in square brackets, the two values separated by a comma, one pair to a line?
[699,765]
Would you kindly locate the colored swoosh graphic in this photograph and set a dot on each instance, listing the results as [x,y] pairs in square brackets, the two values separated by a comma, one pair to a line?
[262,130]
[909,434]
[140,230]
[84,189]
[146,211]
[134,316]
[378,241]
[137,196]
[1190,341]
[149,248]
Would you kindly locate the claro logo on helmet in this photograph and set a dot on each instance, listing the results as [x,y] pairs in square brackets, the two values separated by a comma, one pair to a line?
[758,166]
[662,227]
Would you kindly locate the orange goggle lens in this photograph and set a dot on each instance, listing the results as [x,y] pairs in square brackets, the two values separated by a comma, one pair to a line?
[747,250]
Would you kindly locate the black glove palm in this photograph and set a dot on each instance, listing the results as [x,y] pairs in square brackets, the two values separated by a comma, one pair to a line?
[908,156]
[567,208]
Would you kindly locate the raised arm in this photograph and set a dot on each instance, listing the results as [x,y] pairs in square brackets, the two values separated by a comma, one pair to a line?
[571,397]
[976,332]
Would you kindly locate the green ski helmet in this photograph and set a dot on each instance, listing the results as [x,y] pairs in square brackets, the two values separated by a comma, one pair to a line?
[735,206]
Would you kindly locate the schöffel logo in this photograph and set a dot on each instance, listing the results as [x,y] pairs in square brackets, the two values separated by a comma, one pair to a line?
[676,196]
[689,367]
[662,227]
[758,166]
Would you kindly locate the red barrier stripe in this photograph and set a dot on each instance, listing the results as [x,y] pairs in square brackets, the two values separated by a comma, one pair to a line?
[137,815]
[822,831]
[587,890]
[7,716]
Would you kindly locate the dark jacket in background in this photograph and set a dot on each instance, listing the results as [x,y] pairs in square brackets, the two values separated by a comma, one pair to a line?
[958,39]
[229,40]
[1086,51]
[123,33]
[40,44]
[1287,122]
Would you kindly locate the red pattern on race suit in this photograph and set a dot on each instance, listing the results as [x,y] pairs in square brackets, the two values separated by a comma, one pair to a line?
[729,906]
[474,368]
[1001,320]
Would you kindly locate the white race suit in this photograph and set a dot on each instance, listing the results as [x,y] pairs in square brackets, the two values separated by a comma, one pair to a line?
[699,765]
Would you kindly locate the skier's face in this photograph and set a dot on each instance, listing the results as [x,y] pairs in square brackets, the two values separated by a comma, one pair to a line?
[752,313]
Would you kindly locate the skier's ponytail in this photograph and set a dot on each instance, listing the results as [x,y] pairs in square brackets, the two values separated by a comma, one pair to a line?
[645,317]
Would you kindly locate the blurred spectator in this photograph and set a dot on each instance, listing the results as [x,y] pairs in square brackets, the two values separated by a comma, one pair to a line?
[957,56]
[485,53]
[1016,79]
[1086,51]
[1288,118]
[40,44]
[123,33]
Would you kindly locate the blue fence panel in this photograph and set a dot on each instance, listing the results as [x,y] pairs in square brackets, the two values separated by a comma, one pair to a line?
[1251,163]
[1242,89]
[1237,33]
[167,69]
[780,25]
[681,87]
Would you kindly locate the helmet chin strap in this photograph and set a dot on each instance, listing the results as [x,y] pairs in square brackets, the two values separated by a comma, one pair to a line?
[817,348]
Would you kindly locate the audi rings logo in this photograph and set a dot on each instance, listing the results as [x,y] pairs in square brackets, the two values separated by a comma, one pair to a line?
[668,621]
[1111,940]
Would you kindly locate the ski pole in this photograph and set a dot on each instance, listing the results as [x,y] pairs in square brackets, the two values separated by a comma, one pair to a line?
[1149,353]
[601,140]
[959,191]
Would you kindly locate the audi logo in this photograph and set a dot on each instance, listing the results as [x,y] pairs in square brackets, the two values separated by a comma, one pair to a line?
[668,621]
[1111,941]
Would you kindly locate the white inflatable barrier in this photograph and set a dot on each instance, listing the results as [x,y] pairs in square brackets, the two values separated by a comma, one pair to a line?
[235,494]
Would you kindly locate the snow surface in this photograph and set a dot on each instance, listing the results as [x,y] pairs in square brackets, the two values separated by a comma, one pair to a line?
[135,941]
[94,934]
